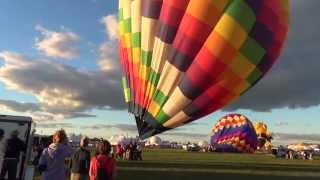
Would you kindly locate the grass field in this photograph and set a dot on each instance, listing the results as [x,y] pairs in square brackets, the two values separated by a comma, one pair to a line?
[177,164]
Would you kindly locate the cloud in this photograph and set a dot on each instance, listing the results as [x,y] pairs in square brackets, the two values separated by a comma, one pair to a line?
[283,138]
[121,127]
[61,89]
[108,50]
[281,123]
[198,124]
[293,81]
[187,135]
[111,26]
[54,125]
[44,116]
[108,57]
[8,105]
[37,112]
[57,44]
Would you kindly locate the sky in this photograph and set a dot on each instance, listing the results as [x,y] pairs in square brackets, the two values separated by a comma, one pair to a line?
[59,64]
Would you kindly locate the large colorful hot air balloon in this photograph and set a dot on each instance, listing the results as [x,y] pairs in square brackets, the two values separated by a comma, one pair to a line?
[234,133]
[184,59]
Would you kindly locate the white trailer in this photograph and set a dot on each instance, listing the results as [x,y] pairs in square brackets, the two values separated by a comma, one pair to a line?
[25,128]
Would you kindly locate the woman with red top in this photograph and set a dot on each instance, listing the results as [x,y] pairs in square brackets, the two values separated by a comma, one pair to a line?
[103,167]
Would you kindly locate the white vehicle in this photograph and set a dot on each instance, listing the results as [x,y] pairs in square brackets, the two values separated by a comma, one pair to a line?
[23,128]
[191,147]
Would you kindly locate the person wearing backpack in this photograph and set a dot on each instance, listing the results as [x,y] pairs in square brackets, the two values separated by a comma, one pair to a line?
[102,166]
[52,160]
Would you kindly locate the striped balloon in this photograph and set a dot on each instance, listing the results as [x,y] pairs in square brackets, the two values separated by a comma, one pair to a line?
[184,59]
[234,133]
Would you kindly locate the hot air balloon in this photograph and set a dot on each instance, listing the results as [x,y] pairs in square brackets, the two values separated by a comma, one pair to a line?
[234,133]
[184,59]
[264,136]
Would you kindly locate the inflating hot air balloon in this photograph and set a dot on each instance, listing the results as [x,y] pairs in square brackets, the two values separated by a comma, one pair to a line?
[184,59]
[234,133]
[264,136]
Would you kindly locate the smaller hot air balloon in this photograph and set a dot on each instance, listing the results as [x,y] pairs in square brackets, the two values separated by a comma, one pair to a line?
[234,133]
[264,136]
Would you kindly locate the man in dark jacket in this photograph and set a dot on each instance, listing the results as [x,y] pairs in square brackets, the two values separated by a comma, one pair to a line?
[80,162]
[2,147]
[12,156]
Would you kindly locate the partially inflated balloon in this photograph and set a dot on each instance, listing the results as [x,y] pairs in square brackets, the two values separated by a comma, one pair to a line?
[234,133]
[184,59]
[264,136]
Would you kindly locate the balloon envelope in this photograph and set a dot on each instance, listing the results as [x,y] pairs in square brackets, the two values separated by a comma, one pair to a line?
[234,133]
[182,60]
[263,134]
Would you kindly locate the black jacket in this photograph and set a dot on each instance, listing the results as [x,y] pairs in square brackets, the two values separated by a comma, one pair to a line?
[14,147]
[80,161]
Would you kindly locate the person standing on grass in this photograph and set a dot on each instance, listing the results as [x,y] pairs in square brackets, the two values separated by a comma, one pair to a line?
[102,166]
[139,152]
[80,161]
[52,160]
[2,148]
[14,147]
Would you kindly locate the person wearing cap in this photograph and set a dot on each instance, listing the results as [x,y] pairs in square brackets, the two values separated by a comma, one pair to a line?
[80,161]
[2,147]
[14,147]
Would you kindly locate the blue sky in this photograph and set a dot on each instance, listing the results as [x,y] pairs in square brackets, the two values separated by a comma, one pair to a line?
[49,47]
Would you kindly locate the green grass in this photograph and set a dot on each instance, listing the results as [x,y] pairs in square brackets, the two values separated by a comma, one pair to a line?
[177,164]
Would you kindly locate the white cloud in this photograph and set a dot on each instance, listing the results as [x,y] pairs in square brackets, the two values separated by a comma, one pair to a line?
[108,59]
[111,26]
[55,125]
[57,44]
[60,89]
[289,138]
[120,127]
[282,123]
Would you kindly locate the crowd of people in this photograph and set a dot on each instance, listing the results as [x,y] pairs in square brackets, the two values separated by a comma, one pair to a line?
[56,159]
[83,166]
[132,151]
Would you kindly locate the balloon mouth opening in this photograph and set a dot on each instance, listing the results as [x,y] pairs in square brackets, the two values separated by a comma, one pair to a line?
[148,126]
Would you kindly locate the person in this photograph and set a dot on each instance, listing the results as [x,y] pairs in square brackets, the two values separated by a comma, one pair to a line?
[119,152]
[14,147]
[37,153]
[80,161]
[2,147]
[52,159]
[139,152]
[103,167]
[34,155]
